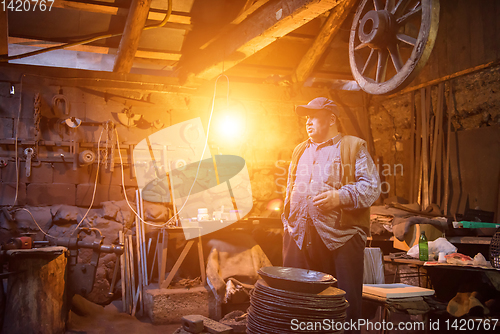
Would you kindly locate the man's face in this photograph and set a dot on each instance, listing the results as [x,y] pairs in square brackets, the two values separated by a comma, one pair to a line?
[318,125]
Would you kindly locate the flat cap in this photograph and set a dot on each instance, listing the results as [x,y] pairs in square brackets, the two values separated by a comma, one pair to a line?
[319,103]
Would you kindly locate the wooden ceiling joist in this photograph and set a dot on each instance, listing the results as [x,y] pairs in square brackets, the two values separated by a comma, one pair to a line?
[329,29]
[248,9]
[95,49]
[4,34]
[268,23]
[129,42]
[113,10]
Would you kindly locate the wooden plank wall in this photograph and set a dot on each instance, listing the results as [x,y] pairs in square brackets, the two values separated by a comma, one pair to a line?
[468,36]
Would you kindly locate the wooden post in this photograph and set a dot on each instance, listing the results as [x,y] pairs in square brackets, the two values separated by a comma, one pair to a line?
[122,271]
[136,20]
[4,34]
[36,292]
[450,108]
[329,29]
[435,144]
[170,277]
[202,261]
[418,157]
[439,162]
[412,147]
[425,141]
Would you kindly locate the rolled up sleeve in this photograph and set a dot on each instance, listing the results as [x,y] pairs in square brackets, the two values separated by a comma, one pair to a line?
[366,189]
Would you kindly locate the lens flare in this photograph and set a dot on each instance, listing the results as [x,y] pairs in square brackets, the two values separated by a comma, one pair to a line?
[230,127]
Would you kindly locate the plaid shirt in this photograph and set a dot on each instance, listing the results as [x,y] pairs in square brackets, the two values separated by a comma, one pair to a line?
[319,170]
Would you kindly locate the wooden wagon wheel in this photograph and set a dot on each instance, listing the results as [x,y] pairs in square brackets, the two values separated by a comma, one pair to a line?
[390,42]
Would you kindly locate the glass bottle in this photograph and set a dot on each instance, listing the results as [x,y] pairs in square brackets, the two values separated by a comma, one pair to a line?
[423,247]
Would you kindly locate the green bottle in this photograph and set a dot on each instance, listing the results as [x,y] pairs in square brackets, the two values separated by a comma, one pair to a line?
[423,247]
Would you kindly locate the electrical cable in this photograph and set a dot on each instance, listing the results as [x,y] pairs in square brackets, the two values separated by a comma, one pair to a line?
[86,41]
[199,164]
[34,220]
[96,178]
[122,170]
[125,190]
[15,143]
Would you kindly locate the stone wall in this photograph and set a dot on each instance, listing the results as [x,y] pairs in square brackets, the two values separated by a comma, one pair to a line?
[40,108]
[476,103]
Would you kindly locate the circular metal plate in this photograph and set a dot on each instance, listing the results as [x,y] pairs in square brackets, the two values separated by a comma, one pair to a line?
[296,279]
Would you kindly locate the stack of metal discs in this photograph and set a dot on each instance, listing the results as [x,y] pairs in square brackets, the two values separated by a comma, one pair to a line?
[279,311]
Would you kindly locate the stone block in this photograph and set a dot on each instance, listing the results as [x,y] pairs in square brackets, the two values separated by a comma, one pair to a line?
[164,306]
[8,193]
[40,173]
[7,126]
[107,177]
[118,211]
[64,173]
[8,172]
[9,106]
[50,194]
[42,216]
[103,193]
[109,229]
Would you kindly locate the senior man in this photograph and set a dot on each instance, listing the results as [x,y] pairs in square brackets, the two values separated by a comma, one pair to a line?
[332,182]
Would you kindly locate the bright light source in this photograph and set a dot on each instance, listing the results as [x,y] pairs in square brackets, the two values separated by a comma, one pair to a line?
[230,127]
[275,204]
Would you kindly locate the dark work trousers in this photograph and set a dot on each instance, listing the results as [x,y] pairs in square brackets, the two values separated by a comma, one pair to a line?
[344,263]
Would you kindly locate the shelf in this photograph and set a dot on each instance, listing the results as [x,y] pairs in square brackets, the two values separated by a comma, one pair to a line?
[470,240]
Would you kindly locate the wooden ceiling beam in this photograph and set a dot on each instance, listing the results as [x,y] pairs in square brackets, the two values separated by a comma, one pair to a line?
[268,23]
[347,76]
[95,49]
[329,29]
[132,32]
[248,9]
[112,10]
[4,34]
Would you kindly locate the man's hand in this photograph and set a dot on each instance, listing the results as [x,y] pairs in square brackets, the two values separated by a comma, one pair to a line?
[327,201]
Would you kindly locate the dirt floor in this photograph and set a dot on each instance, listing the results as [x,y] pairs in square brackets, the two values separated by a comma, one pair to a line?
[89,318]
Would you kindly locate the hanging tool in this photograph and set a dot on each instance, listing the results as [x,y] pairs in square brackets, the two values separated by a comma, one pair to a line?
[59,99]
[29,152]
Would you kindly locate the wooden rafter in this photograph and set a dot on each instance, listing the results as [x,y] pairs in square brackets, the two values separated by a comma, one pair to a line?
[95,49]
[129,42]
[250,7]
[329,29]
[113,10]
[270,22]
[4,34]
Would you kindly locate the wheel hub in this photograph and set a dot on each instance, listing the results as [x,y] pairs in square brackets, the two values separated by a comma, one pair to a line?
[376,29]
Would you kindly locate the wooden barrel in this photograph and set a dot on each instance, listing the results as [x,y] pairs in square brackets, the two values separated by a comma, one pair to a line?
[36,291]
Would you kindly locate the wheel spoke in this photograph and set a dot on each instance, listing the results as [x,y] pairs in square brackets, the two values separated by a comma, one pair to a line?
[407,39]
[389,5]
[361,46]
[381,65]
[396,57]
[370,62]
[377,5]
[402,20]
[400,7]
